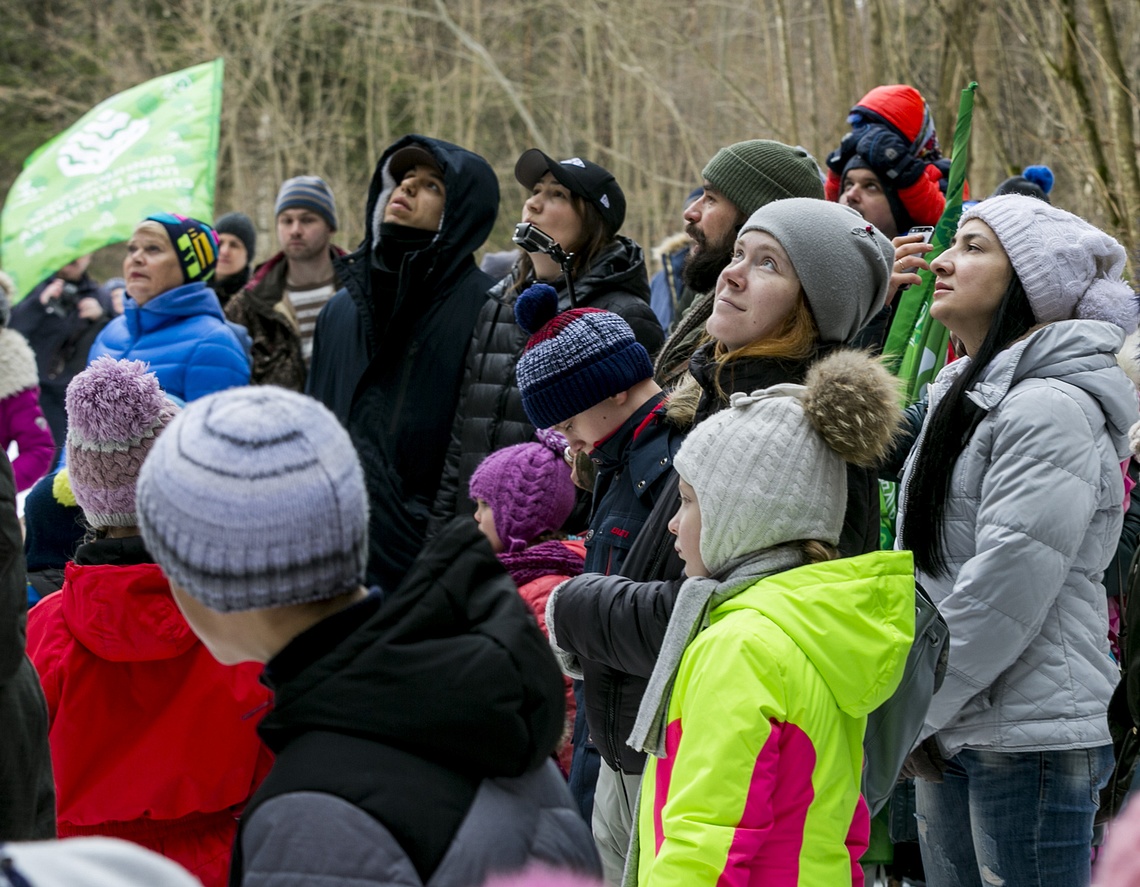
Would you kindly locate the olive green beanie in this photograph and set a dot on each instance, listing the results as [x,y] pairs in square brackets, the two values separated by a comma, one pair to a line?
[756,172]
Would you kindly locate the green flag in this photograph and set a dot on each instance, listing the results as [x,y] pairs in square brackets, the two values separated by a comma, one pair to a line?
[152,148]
[916,345]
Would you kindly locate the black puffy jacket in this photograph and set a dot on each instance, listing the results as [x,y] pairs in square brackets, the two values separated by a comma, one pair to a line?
[490,415]
[390,363]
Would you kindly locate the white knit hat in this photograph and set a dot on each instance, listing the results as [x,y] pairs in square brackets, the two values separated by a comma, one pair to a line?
[1069,268]
[771,468]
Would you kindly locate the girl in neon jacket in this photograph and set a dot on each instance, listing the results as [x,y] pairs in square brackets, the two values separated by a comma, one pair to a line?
[775,653]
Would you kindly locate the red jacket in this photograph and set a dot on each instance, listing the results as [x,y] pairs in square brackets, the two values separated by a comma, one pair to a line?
[152,739]
[536,593]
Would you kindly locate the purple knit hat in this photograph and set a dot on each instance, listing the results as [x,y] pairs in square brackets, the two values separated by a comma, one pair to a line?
[115,410]
[528,487]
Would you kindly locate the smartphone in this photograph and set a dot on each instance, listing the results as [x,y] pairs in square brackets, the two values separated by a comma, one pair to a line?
[927,232]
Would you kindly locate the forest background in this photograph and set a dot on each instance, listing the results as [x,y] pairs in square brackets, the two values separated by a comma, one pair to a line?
[650,89]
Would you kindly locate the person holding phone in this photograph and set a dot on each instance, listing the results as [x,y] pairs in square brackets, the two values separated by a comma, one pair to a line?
[579,206]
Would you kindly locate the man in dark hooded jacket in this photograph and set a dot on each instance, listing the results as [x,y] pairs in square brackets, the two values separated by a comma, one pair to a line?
[389,347]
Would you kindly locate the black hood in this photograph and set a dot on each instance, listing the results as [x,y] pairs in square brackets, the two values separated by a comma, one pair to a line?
[471,205]
[450,667]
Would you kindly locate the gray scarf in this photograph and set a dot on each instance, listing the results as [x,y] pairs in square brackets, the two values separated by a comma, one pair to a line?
[698,597]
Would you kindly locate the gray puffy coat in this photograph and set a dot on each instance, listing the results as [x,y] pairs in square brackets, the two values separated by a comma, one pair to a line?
[1032,520]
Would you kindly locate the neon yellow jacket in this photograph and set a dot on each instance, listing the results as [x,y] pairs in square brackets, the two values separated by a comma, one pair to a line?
[760,781]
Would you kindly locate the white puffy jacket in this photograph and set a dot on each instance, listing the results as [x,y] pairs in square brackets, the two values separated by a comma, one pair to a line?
[1032,520]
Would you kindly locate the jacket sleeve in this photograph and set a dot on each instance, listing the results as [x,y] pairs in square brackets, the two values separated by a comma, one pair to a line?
[13,593]
[317,838]
[612,620]
[30,431]
[831,186]
[913,417]
[28,314]
[217,363]
[924,200]
[1024,543]
[733,711]
[443,510]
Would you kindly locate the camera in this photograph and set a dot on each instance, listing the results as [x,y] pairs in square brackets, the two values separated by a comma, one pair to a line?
[534,240]
[68,299]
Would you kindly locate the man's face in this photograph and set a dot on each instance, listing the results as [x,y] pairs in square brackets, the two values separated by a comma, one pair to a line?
[74,271]
[711,221]
[863,192]
[417,202]
[304,235]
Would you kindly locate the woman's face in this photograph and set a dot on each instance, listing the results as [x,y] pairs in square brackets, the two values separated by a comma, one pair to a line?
[551,209]
[232,255]
[151,266]
[972,277]
[755,292]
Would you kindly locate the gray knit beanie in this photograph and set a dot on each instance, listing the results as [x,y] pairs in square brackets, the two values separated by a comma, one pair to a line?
[772,467]
[753,173]
[1069,268]
[254,498]
[307,192]
[842,261]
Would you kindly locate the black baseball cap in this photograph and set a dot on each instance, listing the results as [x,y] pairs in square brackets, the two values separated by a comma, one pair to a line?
[588,180]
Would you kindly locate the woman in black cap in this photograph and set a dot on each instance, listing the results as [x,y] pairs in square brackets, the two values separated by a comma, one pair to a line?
[581,207]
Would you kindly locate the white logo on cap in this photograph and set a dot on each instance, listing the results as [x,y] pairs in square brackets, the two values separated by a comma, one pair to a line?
[605,201]
[574,161]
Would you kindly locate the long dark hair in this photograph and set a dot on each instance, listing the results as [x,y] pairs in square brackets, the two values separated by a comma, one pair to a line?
[599,237]
[947,432]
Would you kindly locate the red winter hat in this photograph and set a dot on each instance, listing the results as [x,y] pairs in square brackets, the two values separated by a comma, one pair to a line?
[903,108]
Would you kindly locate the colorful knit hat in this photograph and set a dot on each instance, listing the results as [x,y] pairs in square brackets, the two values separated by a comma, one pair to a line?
[528,487]
[115,411]
[843,263]
[1069,268]
[756,172]
[574,359]
[53,523]
[772,467]
[254,499]
[307,192]
[195,243]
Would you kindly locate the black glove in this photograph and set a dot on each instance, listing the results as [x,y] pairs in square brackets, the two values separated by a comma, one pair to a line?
[925,762]
[888,155]
[841,156]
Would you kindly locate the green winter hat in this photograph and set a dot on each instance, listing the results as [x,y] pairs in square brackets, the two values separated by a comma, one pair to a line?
[756,172]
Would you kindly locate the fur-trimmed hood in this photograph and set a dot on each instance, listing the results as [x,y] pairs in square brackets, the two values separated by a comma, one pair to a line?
[17,364]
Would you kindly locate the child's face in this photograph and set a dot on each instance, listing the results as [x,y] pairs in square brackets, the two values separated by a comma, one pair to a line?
[686,526]
[485,518]
[586,428]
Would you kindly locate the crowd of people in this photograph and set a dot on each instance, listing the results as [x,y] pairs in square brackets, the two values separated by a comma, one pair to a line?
[373,567]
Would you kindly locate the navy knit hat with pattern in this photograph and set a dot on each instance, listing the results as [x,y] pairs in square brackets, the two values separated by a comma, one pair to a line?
[254,498]
[574,359]
[307,192]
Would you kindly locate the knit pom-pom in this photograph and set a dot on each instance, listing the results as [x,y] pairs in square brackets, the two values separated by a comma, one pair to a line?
[552,440]
[1041,176]
[61,488]
[1111,300]
[114,400]
[853,402]
[535,306]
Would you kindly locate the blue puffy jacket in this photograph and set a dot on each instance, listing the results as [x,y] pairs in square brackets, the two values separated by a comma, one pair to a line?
[185,338]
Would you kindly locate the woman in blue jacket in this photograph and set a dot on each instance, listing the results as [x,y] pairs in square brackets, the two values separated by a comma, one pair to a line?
[172,319]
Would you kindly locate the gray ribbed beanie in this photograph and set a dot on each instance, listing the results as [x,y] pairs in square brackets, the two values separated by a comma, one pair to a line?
[307,192]
[843,263]
[756,172]
[1068,267]
[254,498]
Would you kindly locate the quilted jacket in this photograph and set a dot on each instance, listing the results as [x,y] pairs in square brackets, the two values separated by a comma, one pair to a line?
[1033,518]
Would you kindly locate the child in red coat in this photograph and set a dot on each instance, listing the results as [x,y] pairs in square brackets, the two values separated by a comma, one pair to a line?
[151,738]
[523,494]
